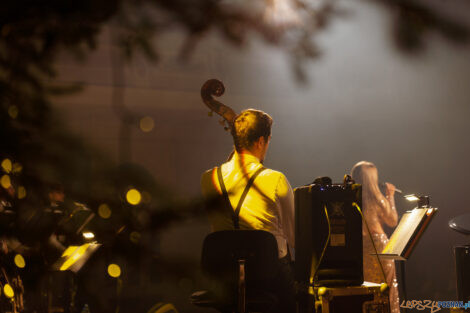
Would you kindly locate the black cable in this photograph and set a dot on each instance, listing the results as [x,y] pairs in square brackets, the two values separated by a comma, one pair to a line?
[312,277]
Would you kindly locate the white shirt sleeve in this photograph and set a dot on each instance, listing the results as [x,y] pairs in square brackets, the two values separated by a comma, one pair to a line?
[285,196]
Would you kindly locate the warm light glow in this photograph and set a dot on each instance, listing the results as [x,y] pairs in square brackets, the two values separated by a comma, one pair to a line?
[8,291]
[411,198]
[74,256]
[163,308]
[134,237]
[88,235]
[147,124]
[19,261]
[114,270]
[21,192]
[133,196]
[5,181]
[281,12]
[104,211]
[7,165]
[13,111]
[17,168]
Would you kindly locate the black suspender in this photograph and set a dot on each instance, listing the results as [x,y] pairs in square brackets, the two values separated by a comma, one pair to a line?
[236,213]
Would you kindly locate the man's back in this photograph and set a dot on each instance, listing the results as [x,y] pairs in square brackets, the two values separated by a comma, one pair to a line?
[269,204]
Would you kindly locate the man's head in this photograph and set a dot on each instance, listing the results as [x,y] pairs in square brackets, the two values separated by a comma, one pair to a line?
[251,132]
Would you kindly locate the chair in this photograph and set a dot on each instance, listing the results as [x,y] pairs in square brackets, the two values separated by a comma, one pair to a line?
[242,265]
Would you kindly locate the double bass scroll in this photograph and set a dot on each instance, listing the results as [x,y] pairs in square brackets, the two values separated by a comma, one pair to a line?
[214,87]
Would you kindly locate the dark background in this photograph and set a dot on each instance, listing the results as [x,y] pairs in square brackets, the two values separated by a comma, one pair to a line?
[364,100]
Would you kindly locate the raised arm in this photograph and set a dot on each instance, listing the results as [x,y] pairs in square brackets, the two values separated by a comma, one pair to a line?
[389,212]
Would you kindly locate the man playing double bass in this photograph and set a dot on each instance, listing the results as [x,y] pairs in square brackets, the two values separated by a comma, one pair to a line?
[269,203]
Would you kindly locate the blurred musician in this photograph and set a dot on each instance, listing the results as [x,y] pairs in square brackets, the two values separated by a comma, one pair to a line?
[378,210]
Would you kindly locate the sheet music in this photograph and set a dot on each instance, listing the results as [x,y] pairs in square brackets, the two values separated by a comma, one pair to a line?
[407,230]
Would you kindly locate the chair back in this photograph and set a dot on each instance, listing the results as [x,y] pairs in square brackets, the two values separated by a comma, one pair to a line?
[223,249]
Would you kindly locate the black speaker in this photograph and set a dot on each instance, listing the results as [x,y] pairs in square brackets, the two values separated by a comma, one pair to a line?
[462,266]
[341,264]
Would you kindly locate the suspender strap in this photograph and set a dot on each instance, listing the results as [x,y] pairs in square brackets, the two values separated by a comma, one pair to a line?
[224,191]
[236,213]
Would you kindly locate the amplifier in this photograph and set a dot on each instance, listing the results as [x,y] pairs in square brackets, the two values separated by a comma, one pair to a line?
[367,298]
[341,264]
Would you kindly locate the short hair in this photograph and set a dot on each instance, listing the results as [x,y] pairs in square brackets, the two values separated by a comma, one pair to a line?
[249,126]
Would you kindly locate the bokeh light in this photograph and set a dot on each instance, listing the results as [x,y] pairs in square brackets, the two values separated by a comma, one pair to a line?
[19,261]
[135,237]
[114,270]
[8,291]
[7,165]
[104,211]
[133,196]
[147,124]
[5,181]
[17,167]
[21,192]
[13,111]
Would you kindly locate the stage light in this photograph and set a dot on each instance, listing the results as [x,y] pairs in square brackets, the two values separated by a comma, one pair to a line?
[423,201]
[5,181]
[133,196]
[8,291]
[411,197]
[88,235]
[114,270]
[104,211]
[19,261]
[7,165]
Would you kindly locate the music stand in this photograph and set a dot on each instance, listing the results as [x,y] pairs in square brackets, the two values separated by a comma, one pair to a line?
[405,237]
[74,257]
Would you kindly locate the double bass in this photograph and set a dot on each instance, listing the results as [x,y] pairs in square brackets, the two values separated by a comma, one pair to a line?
[214,87]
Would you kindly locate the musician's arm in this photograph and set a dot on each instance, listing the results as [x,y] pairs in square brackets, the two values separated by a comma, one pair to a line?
[389,211]
[285,197]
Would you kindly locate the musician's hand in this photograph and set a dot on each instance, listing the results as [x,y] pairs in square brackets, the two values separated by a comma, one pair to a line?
[389,190]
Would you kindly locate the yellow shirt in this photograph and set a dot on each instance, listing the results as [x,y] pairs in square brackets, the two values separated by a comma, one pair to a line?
[269,204]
